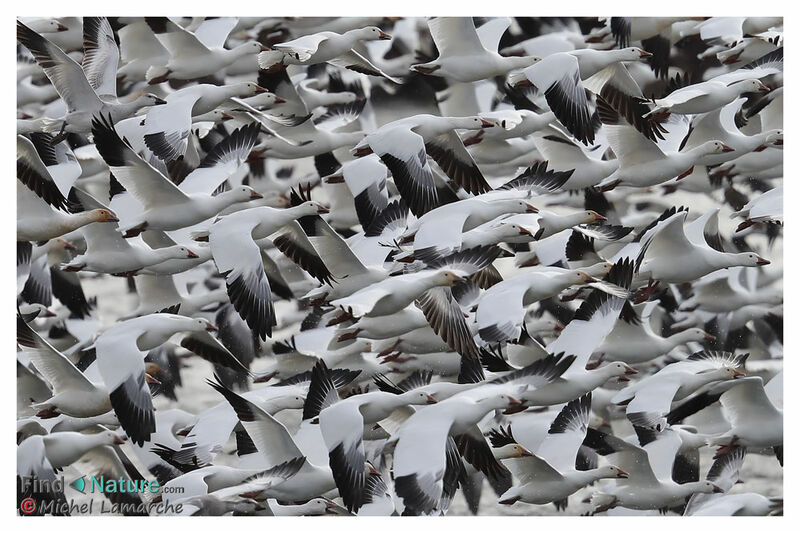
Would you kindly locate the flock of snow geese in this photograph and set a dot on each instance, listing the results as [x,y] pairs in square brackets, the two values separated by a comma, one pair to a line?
[359,264]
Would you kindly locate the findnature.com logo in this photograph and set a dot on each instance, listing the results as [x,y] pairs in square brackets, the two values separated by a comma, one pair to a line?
[54,503]
[104,485]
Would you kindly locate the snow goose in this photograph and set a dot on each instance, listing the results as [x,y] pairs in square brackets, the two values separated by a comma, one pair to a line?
[705,97]
[167,127]
[73,393]
[342,424]
[385,327]
[564,155]
[215,424]
[559,76]
[313,97]
[40,457]
[641,161]
[633,340]
[275,446]
[591,323]
[46,169]
[223,482]
[750,48]
[765,208]
[549,475]
[195,55]
[673,256]
[156,240]
[425,454]
[313,507]
[38,222]
[108,252]
[395,293]
[165,205]
[756,419]
[44,25]
[239,260]
[742,504]
[720,125]
[403,145]
[120,361]
[649,484]
[546,224]
[72,85]
[344,272]
[501,309]
[440,230]
[724,473]
[467,54]
[161,292]
[649,400]
[293,134]
[139,49]
[728,30]
[326,46]
[731,289]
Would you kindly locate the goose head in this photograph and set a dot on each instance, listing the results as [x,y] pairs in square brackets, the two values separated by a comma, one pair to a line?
[418,397]
[215,115]
[241,194]
[110,438]
[511,451]
[248,48]
[47,26]
[102,215]
[774,139]
[726,373]
[198,324]
[514,205]
[611,472]
[289,401]
[149,99]
[310,208]
[706,487]
[247,88]
[598,270]
[632,53]
[500,401]
[521,62]
[748,259]
[316,507]
[573,219]
[179,252]
[372,33]
[692,334]
[579,277]
[593,217]
[619,370]
[749,86]
[470,123]
[713,147]
[447,278]
[509,230]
